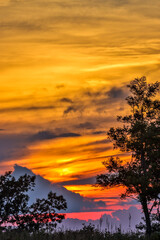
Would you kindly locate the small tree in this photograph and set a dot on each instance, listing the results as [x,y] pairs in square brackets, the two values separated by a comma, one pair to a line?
[14,198]
[140,135]
[14,209]
[42,213]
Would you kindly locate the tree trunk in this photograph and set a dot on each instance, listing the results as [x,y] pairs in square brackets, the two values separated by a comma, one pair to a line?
[144,187]
[147,216]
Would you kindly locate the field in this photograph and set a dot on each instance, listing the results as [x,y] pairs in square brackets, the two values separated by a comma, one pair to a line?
[87,233]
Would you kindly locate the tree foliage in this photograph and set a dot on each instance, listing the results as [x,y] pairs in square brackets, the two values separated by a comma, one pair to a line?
[14,209]
[42,213]
[140,136]
[13,197]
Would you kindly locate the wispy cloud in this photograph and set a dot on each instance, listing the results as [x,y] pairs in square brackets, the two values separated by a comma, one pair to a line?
[25,108]
[124,65]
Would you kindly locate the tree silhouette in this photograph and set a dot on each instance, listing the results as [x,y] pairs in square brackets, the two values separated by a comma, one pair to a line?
[14,209]
[42,214]
[139,135]
[13,197]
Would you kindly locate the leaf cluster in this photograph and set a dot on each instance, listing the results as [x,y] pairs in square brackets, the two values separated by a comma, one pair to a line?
[140,137]
[14,209]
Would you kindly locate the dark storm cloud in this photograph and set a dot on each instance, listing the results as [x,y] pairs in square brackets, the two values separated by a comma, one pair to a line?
[46,135]
[15,146]
[43,135]
[85,125]
[101,204]
[90,98]
[98,132]
[116,92]
[70,109]
[66,100]
[101,99]
[25,108]
[91,205]
[129,202]
[79,181]
[73,108]
[69,134]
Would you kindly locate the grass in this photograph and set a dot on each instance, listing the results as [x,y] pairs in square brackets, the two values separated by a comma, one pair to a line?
[87,233]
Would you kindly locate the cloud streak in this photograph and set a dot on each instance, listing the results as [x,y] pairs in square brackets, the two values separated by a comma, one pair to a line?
[25,108]
[125,65]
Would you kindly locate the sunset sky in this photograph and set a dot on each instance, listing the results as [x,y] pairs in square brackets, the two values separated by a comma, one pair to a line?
[64,68]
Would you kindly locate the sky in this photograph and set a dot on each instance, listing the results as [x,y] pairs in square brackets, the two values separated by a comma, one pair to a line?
[64,68]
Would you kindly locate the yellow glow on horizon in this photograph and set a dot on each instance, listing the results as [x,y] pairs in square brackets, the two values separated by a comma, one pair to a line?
[91,191]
